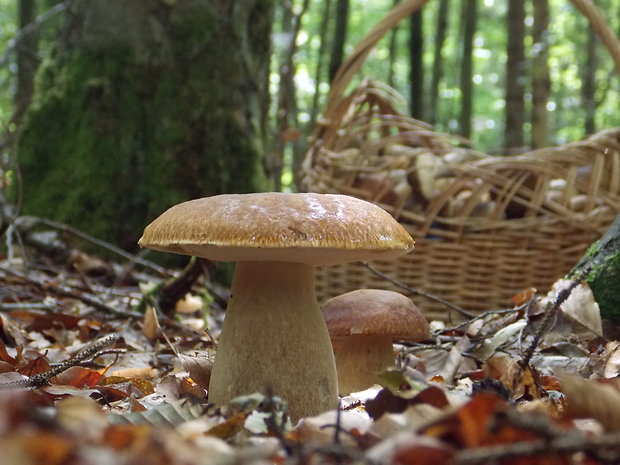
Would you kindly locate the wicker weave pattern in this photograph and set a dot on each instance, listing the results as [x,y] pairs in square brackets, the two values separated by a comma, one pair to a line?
[490,227]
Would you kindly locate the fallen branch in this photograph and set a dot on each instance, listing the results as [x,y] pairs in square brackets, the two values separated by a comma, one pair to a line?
[41,379]
[63,291]
[551,311]
[413,290]
[555,440]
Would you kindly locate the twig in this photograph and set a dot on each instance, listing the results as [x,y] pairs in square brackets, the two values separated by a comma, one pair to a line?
[554,440]
[551,311]
[502,311]
[415,291]
[29,221]
[175,288]
[63,291]
[43,378]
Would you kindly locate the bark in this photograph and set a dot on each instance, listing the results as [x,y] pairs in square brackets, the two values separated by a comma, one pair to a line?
[469,29]
[340,37]
[440,37]
[515,77]
[588,82]
[320,63]
[26,58]
[392,51]
[143,105]
[603,260]
[541,82]
[416,77]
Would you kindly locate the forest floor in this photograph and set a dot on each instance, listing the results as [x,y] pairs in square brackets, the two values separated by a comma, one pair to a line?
[95,368]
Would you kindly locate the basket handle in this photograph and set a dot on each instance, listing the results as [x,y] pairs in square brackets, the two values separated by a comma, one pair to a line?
[601,27]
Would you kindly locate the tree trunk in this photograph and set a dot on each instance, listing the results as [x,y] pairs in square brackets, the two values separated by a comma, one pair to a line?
[340,36]
[603,260]
[26,58]
[320,61]
[588,82]
[541,82]
[515,77]
[143,105]
[416,77]
[392,51]
[469,29]
[286,116]
[440,37]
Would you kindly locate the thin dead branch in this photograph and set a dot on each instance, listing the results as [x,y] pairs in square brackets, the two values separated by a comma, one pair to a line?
[551,311]
[41,379]
[414,291]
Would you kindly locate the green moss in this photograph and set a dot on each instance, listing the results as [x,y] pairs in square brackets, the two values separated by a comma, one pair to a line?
[119,131]
[604,280]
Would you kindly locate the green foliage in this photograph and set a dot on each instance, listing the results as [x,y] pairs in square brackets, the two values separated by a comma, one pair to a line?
[567,35]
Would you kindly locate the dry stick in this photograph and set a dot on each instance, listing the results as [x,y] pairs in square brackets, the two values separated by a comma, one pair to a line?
[43,378]
[415,291]
[554,439]
[93,240]
[66,292]
[551,311]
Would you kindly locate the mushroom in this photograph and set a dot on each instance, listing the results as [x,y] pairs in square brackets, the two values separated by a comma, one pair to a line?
[274,336]
[362,325]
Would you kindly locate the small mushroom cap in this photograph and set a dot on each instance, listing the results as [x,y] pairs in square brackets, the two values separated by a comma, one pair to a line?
[374,312]
[317,229]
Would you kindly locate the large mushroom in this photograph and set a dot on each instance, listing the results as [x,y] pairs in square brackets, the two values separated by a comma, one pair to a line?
[363,324]
[274,336]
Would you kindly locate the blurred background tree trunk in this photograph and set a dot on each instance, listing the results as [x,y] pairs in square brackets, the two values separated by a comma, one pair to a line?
[437,71]
[469,17]
[541,81]
[142,105]
[416,60]
[26,59]
[515,77]
[588,82]
[339,37]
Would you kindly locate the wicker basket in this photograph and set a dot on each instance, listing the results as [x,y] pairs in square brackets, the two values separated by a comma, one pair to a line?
[485,227]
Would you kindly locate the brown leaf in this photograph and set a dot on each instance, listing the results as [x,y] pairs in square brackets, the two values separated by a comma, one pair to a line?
[35,366]
[591,399]
[80,377]
[4,355]
[387,402]
[150,324]
[199,367]
[40,447]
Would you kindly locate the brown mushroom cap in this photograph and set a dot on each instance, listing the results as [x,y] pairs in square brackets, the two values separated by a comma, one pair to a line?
[374,312]
[316,229]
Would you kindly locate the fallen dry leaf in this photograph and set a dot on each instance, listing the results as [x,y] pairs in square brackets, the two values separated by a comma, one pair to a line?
[591,399]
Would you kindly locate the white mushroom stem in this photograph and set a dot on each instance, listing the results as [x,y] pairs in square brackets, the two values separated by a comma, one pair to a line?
[275,339]
[360,359]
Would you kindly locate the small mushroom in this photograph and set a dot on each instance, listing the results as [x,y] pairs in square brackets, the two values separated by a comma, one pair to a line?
[362,325]
[274,336]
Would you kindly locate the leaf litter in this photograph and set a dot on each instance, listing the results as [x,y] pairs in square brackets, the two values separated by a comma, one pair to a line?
[94,369]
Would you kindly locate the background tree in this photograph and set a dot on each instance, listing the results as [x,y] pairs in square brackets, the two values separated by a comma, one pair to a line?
[441,27]
[588,81]
[515,76]
[541,81]
[469,17]
[145,104]
[26,58]
[416,58]
[340,36]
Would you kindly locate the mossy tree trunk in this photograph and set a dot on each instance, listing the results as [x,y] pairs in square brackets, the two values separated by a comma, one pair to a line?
[143,105]
[603,260]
